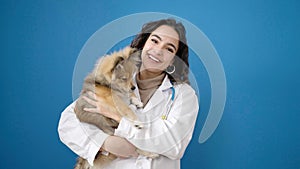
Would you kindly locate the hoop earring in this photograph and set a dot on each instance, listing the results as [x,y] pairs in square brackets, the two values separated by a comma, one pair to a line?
[170,69]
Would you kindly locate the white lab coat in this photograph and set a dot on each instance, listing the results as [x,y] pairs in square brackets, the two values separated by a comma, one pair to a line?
[168,137]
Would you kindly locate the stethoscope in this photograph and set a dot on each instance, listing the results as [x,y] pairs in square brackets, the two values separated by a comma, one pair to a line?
[169,103]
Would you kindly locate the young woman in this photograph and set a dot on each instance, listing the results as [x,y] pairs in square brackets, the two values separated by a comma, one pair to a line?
[169,113]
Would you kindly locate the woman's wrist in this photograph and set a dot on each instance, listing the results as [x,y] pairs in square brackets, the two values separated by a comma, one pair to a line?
[119,147]
[118,118]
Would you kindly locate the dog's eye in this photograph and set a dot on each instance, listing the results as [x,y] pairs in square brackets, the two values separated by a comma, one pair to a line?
[124,78]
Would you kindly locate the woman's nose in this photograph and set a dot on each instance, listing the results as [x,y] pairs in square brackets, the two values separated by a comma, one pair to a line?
[158,50]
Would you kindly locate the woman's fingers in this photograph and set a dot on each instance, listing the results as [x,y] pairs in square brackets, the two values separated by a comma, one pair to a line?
[92,110]
[98,108]
[92,95]
[90,101]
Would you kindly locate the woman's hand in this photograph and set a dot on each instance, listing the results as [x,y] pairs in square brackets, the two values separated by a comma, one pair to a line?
[119,147]
[98,108]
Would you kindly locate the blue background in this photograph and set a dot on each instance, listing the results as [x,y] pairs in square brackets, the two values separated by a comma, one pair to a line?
[257,41]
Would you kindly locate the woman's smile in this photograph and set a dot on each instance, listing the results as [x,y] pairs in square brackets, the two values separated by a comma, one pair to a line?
[153,58]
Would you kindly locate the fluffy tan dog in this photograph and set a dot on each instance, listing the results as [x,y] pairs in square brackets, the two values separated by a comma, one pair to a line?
[111,81]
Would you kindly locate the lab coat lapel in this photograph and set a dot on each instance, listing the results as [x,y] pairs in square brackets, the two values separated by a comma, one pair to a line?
[158,95]
[155,100]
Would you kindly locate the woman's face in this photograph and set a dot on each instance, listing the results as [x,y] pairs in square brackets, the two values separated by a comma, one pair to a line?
[159,50]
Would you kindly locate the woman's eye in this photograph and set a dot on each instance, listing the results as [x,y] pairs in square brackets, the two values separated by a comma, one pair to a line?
[170,50]
[154,41]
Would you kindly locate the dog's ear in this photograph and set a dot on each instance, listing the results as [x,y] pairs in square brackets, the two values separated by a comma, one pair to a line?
[117,62]
[135,57]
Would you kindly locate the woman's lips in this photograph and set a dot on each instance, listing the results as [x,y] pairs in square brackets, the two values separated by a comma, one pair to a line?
[153,58]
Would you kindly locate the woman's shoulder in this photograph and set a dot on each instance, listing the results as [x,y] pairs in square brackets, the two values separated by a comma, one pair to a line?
[185,88]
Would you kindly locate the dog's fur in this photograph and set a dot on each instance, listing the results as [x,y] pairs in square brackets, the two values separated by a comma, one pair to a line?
[111,81]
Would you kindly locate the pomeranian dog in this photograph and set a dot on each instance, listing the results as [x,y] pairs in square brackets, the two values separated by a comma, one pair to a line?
[112,82]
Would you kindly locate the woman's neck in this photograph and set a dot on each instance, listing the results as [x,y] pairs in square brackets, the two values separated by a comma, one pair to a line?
[149,75]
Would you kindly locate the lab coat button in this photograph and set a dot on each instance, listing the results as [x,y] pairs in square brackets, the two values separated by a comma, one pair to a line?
[139,164]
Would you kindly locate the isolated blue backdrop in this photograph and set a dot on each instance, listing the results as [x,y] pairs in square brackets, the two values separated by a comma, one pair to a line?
[257,41]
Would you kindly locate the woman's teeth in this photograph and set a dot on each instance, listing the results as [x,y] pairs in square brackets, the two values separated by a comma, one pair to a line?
[153,58]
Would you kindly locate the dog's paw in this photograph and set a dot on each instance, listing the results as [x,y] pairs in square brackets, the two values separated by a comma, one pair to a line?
[152,155]
[138,126]
[137,102]
[147,154]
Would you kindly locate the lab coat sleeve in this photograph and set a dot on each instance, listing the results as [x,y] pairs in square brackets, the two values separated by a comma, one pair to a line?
[83,139]
[168,137]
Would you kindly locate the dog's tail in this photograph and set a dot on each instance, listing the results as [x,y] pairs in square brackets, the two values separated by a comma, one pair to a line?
[82,164]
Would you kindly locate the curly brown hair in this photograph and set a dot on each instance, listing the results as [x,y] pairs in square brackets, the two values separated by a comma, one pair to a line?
[181,62]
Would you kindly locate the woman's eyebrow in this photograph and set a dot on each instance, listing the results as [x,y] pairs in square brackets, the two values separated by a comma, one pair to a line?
[158,37]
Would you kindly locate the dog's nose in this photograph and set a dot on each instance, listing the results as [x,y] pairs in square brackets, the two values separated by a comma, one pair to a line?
[133,87]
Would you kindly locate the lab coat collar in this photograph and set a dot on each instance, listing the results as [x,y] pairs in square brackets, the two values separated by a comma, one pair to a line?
[166,84]
[158,96]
